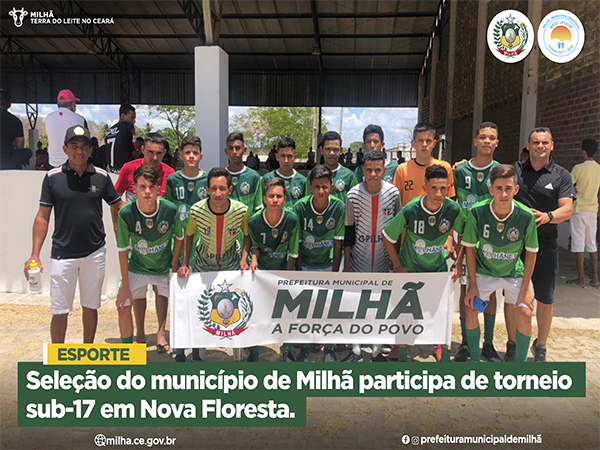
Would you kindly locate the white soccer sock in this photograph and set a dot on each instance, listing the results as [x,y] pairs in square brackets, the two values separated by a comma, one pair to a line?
[356,349]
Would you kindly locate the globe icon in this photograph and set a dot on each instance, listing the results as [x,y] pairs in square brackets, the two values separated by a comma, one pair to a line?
[100,440]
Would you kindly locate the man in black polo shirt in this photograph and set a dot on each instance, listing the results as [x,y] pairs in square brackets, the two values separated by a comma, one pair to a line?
[75,190]
[12,154]
[120,139]
[548,190]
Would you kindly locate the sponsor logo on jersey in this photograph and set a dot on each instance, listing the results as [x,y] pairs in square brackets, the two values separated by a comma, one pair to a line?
[368,238]
[470,201]
[245,188]
[512,234]
[143,249]
[163,227]
[296,193]
[444,226]
[310,243]
[340,185]
[561,36]
[225,313]
[510,36]
[420,247]
[149,223]
[330,225]
[275,255]
[489,253]
[480,176]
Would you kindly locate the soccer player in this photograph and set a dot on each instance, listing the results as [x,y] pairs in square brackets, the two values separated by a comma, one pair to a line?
[428,221]
[472,181]
[122,145]
[247,185]
[496,232]
[144,239]
[343,178]
[321,218]
[184,188]
[370,206]
[274,235]
[373,142]
[295,182]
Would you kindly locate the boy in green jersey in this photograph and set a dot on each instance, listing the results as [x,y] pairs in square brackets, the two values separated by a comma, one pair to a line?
[471,181]
[497,230]
[144,238]
[246,183]
[295,182]
[428,221]
[373,142]
[321,218]
[184,188]
[343,178]
[274,235]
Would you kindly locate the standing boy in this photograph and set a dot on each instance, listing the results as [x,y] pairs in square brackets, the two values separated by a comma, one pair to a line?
[246,183]
[295,182]
[373,142]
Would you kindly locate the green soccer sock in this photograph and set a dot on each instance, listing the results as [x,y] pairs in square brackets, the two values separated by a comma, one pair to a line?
[489,320]
[445,355]
[254,350]
[305,346]
[128,340]
[180,351]
[286,348]
[473,339]
[522,347]
[463,331]
[328,347]
[403,354]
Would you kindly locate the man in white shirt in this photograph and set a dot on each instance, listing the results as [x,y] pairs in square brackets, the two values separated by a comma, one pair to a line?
[57,124]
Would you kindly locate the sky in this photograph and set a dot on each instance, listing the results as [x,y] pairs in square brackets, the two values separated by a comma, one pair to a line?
[396,122]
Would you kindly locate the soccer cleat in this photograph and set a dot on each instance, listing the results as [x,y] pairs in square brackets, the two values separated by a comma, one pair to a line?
[511,349]
[252,357]
[539,353]
[353,357]
[386,349]
[437,352]
[329,355]
[288,357]
[180,357]
[463,353]
[379,358]
[490,354]
[303,355]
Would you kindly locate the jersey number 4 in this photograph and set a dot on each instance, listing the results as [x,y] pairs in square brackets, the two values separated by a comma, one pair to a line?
[308,224]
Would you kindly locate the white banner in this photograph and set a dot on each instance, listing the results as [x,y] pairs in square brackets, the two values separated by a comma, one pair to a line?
[230,309]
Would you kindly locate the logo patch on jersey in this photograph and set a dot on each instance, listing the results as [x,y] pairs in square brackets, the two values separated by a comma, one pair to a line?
[431,221]
[319,220]
[93,189]
[149,223]
[500,227]
[420,248]
[480,176]
[232,232]
[489,253]
[470,201]
[234,181]
[296,193]
[143,249]
[207,231]
[444,226]
[287,184]
[274,233]
[330,225]
[202,193]
[284,236]
[190,186]
[245,188]
[340,185]
[163,227]
[388,211]
[512,234]
[225,313]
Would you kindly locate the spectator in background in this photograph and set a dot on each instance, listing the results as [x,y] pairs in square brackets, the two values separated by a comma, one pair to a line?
[359,158]
[524,155]
[57,124]
[121,139]
[400,158]
[349,158]
[139,146]
[252,161]
[98,157]
[272,163]
[310,162]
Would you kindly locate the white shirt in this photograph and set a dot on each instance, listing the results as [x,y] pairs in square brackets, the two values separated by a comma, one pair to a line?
[56,127]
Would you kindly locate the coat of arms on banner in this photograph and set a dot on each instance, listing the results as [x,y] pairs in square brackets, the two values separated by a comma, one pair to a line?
[225,313]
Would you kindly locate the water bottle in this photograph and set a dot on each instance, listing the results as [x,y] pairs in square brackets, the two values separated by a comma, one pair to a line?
[35,277]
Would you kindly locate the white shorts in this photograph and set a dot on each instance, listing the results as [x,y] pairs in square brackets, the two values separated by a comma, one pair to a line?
[138,284]
[583,232]
[488,285]
[64,274]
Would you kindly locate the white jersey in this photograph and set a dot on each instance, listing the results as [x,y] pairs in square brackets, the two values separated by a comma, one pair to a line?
[369,214]
[56,127]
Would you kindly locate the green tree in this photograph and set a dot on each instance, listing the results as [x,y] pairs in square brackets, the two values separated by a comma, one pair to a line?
[182,120]
[171,138]
[142,132]
[356,146]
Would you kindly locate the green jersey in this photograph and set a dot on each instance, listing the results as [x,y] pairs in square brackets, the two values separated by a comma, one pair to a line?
[343,180]
[472,183]
[422,249]
[184,192]
[275,243]
[295,186]
[390,171]
[500,243]
[319,231]
[247,188]
[148,237]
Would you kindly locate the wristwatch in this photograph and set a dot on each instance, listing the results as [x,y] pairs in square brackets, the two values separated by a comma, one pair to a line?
[551,216]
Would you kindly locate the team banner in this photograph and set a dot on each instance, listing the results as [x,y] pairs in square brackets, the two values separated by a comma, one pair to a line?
[231,309]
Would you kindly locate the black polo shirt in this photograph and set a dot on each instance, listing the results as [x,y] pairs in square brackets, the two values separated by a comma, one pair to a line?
[541,190]
[77,203]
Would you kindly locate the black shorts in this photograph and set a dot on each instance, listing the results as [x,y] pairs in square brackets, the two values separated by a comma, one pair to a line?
[544,275]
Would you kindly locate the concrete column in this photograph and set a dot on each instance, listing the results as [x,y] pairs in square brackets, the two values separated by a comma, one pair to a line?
[450,90]
[33,138]
[212,103]
[482,47]
[421,96]
[435,53]
[530,80]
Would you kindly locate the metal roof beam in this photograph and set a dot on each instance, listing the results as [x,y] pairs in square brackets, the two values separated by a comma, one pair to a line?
[229,36]
[315,18]
[242,16]
[12,52]
[195,17]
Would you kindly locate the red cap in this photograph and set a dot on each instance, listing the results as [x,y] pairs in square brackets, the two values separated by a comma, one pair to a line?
[67,96]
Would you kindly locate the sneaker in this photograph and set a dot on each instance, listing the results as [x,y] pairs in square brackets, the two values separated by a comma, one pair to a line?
[379,358]
[490,354]
[288,357]
[539,353]
[252,357]
[437,352]
[353,357]
[180,357]
[329,355]
[463,353]
[315,348]
[303,355]
[386,349]
[511,349]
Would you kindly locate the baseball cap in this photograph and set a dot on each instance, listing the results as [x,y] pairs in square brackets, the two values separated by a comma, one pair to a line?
[67,96]
[77,131]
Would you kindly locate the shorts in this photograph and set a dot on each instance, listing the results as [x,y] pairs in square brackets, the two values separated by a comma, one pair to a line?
[311,269]
[544,275]
[64,274]
[583,232]
[488,285]
[138,285]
